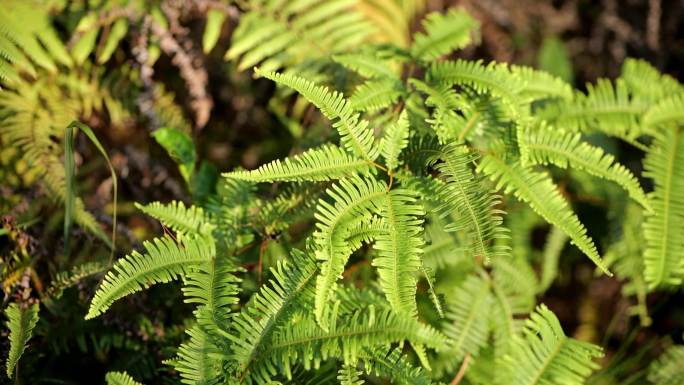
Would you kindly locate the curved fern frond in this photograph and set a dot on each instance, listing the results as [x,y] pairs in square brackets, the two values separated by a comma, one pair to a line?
[20,322]
[356,136]
[188,221]
[538,190]
[354,198]
[394,141]
[318,164]
[544,355]
[366,65]
[443,34]
[376,94]
[470,209]
[399,250]
[646,82]
[120,378]
[664,255]
[667,111]
[541,85]
[164,261]
[395,366]
[544,145]
[349,375]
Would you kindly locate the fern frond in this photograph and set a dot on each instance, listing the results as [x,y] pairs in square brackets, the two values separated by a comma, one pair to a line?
[318,164]
[66,279]
[187,221]
[493,77]
[20,323]
[664,255]
[540,84]
[544,355]
[668,369]
[443,34]
[356,136]
[553,247]
[214,288]
[668,111]
[376,94]
[538,190]
[399,250]
[394,141]
[200,361]
[269,310]
[354,198]
[120,378]
[646,82]
[544,145]
[471,210]
[366,65]
[165,260]
[394,365]
[349,375]
[467,317]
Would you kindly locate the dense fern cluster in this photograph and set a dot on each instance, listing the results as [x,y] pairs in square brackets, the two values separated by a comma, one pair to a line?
[397,247]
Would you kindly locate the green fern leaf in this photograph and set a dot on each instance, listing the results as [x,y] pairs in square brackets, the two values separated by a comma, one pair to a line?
[646,82]
[120,378]
[544,355]
[375,94]
[348,375]
[399,250]
[186,221]
[319,164]
[664,255]
[667,111]
[444,33]
[541,85]
[366,65]
[544,145]
[356,136]
[394,141]
[164,261]
[668,369]
[20,323]
[199,360]
[541,194]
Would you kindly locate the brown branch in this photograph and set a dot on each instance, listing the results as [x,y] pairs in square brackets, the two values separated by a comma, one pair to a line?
[461,371]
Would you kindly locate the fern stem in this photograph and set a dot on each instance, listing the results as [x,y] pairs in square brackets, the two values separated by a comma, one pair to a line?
[461,371]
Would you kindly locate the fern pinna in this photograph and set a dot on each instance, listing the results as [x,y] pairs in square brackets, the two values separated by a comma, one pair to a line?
[435,172]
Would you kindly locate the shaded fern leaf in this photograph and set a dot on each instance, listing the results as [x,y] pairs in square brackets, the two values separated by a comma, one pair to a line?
[544,145]
[668,369]
[663,229]
[120,378]
[356,136]
[443,34]
[544,355]
[394,141]
[164,261]
[538,190]
[470,209]
[199,361]
[319,164]
[20,322]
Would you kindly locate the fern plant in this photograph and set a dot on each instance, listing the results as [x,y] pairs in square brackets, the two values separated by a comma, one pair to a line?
[434,174]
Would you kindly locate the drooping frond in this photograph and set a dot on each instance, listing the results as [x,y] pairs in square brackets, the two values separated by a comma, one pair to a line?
[544,355]
[269,310]
[187,221]
[471,209]
[120,378]
[663,229]
[20,322]
[467,320]
[318,164]
[376,94]
[539,191]
[353,200]
[493,77]
[214,288]
[356,136]
[544,145]
[667,111]
[394,141]
[366,65]
[199,360]
[646,82]
[540,84]
[668,369]
[604,108]
[443,34]
[399,250]
[165,260]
